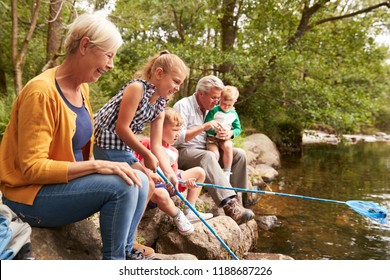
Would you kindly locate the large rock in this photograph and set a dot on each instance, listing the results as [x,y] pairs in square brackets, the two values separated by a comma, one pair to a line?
[263,158]
[260,149]
[204,245]
[78,241]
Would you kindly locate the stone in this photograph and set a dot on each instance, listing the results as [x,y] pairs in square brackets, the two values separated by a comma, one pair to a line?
[182,256]
[266,222]
[205,246]
[266,256]
[77,241]
[261,149]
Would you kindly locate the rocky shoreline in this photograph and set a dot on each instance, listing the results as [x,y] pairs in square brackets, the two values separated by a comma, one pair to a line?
[316,136]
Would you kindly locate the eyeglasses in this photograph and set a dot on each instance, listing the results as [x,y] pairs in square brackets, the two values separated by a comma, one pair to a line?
[215,99]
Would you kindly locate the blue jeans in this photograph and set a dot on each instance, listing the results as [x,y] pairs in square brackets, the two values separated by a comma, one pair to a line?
[121,207]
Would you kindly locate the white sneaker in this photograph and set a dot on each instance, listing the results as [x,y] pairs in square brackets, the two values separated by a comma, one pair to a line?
[193,218]
[227,175]
[183,225]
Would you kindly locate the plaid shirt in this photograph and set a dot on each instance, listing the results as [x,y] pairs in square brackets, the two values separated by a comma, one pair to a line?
[105,119]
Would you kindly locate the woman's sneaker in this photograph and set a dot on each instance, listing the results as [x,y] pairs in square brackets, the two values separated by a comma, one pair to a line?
[193,218]
[145,250]
[183,225]
[136,255]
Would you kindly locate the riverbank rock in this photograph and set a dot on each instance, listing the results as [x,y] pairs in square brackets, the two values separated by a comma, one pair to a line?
[266,256]
[77,241]
[315,136]
[266,222]
[260,149]
[205,246]
[263,158]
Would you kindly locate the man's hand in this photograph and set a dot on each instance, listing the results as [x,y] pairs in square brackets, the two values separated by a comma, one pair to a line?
[211,125]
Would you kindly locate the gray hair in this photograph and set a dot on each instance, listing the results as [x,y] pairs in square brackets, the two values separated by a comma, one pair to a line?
[101,32]
[208,82]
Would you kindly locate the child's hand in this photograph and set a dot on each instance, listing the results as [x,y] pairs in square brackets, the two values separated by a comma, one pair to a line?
[191,183]
[155,177]
[172,179]
[224,134]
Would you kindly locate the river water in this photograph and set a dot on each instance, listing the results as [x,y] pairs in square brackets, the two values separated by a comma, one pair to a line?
[313,230]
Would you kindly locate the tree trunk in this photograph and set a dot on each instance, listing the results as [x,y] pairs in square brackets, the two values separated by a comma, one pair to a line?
[229,29]
[54,34]
[19,56]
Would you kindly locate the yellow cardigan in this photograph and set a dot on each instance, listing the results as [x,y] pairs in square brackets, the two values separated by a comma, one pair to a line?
[37,145]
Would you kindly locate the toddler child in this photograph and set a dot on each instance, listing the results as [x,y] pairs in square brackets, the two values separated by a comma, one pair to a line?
[228,118]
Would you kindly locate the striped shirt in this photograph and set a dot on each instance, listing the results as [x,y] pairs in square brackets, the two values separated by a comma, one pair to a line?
[105,119]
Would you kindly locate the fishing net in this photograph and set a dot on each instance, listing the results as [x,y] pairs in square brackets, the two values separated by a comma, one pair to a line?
[369,209]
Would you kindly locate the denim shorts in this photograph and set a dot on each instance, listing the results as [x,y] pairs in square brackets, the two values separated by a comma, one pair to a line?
[114,155]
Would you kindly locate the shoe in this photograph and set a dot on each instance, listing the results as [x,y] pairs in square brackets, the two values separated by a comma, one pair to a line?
[192,218]
[145,250]
[183,225]
[136,255]
[237,212]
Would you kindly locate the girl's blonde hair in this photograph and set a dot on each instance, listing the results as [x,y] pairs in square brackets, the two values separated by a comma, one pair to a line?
[167,61]
[101,32]
[173,117]
[230,93]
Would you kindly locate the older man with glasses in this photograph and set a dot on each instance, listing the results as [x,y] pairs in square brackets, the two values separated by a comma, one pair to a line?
[192,147]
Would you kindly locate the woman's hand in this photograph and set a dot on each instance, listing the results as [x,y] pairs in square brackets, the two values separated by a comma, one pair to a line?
[121,169]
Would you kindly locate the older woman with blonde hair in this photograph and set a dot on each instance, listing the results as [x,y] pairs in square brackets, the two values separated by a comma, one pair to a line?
[47,174]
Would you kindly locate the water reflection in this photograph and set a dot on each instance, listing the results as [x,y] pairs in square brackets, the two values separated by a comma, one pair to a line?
[322,230]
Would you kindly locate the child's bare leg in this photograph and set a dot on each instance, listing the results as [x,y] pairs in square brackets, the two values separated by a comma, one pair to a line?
[214,148]
[164,202]
[227,148]
[199,175]
[227,158]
